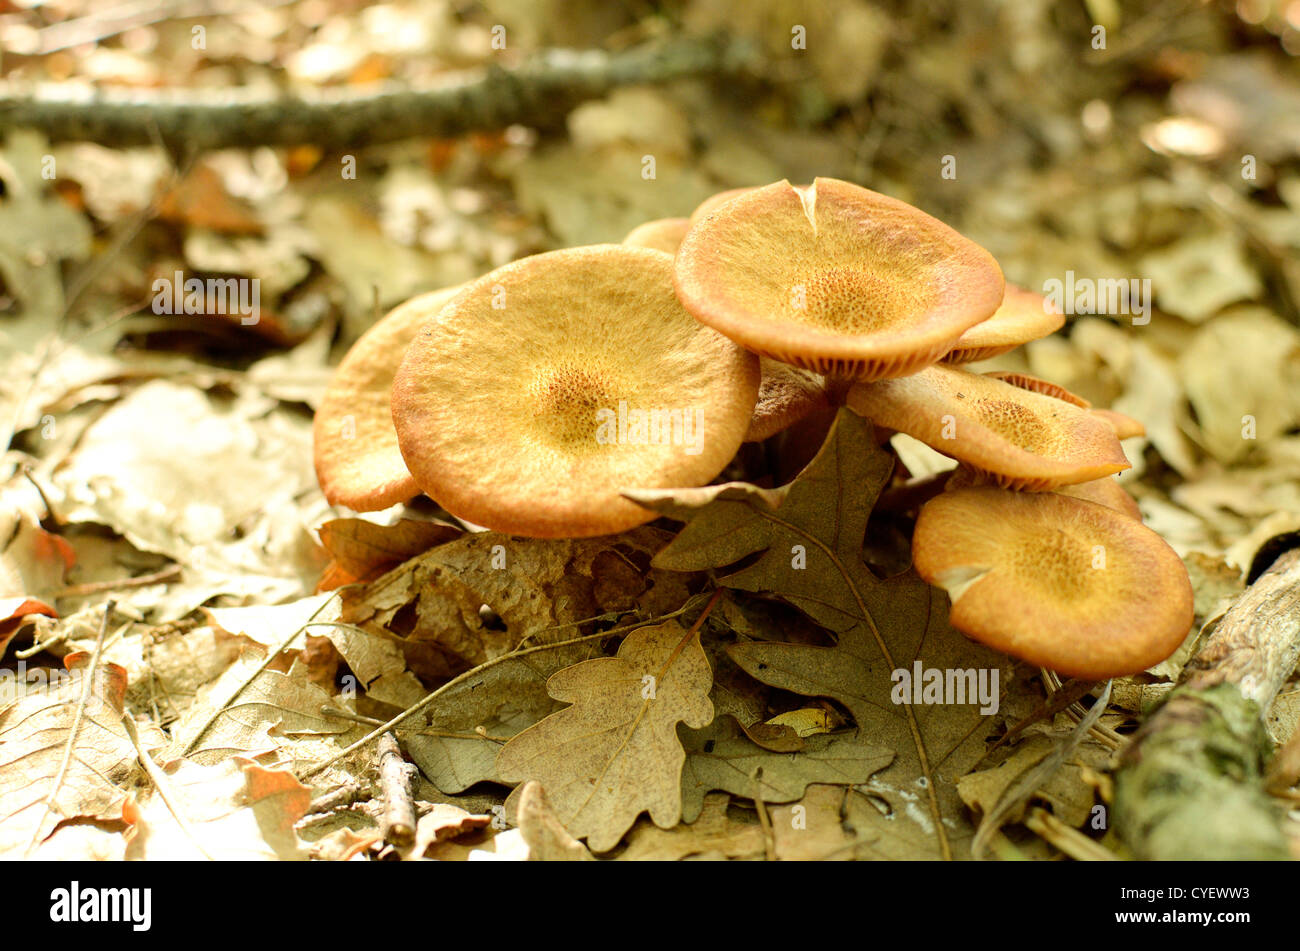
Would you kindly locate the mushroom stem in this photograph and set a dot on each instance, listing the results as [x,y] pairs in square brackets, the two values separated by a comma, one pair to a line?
[837,389]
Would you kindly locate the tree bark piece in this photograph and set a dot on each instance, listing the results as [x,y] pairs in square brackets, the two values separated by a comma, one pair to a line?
[1190,784]
[539,92]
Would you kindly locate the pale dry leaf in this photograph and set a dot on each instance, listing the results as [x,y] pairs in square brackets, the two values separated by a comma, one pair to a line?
[268,624]
[270,711]
[1065,791]
[35,732]
[548,840]
[1242,376]
[234,810]
[833,823]
[219,493]
[1198,276]
[614,753]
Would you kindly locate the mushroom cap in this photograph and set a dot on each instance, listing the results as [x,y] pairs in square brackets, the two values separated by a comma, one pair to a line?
[786,395]
[354,444]
[662,234]
[835,278]
[1021,317]
[518,408]
[1022,439]
[1064,583]
[1105,491]
[1126,427]
[714,202]
[1038,385]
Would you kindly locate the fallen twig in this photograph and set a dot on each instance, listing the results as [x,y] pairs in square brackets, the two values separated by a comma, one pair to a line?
[538,92]
[395,776]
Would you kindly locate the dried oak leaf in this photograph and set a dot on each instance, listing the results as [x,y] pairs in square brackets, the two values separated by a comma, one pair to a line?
[714,834]
[250,711]
[364,550]
[36,731]
[539,588]
[234,810]
[469,723]
[807,537]
[615,752]
[548,840]
[721,756]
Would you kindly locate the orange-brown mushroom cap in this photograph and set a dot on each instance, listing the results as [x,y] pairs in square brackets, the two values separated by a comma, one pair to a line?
[714,202]
[354,444]
[1038,385]
[835,278]
[1126,427]
[1021,317]
[662,234]
[1105,491]
[556,381]
[1064,583]
[1024,440]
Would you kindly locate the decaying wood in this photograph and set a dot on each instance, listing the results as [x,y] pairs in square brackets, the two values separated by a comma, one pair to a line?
[1190,784]
[539,92]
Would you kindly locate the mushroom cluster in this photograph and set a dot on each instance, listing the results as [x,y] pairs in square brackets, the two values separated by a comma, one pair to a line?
[528,400]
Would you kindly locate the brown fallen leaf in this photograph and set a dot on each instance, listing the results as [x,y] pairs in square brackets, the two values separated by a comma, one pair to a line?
[830,823]
[721,757]
[537,588]
[807,537]
[467,727]
[440,823]
[713,835]
[1065,790]
[548,840]
[200,200]
[364,550]
[615,752]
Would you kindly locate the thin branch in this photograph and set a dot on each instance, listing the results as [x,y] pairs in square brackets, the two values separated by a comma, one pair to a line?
[539,92]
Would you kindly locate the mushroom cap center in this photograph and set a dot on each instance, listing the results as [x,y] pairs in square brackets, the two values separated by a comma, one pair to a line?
[857,300]
[1058,562]
[565,401]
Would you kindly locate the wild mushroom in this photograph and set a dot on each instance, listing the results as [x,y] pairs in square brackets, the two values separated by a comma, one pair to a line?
[1038,385]
[835,278]
[554,382]
[1021,317]
[1022,439]
[662,234]
[358,463]
[1126,427]
[714,202]
[1063,583]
